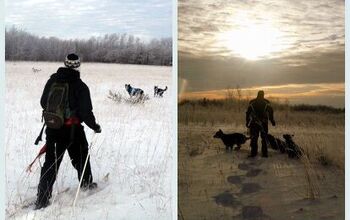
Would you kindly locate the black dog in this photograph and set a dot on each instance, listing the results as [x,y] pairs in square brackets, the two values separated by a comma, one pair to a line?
[276,143]
[134,91]
[272,142]
[289,146]
[231,139]
[158,91]
[292,149]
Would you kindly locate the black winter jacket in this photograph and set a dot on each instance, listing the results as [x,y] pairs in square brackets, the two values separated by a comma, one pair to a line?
[79,95]
[259,109]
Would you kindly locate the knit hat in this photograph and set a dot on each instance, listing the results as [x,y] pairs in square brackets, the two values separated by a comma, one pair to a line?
[261,94]
[72,61]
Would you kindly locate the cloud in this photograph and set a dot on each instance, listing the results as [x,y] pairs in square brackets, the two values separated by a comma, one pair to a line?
[310,47]
[304,26]
[212,73]
[77,19]
[325,94]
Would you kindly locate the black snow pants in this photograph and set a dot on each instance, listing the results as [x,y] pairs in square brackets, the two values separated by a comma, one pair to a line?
[256,129]
[73,140]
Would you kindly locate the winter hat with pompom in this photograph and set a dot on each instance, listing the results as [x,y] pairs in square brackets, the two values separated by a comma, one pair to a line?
[72,61]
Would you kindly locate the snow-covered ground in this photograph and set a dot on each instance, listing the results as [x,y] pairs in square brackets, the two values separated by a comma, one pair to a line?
[131,159]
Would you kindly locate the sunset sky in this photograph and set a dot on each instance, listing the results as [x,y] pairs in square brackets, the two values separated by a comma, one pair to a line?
[291,49]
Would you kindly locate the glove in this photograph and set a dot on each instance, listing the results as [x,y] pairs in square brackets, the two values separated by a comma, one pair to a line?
[273,123]
[97,128]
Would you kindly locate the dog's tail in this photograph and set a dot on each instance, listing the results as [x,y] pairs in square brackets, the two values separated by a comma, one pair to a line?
[166,87]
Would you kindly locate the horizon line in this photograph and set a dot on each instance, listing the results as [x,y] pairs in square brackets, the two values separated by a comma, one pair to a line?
[144,39]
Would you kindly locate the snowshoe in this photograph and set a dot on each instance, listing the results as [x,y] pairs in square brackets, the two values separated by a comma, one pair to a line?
[89,186]
[41,203]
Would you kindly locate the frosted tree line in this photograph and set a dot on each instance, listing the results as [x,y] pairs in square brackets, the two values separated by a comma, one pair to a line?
[111,48]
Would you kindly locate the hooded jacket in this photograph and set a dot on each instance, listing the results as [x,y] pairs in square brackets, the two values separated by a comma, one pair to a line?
[78,95]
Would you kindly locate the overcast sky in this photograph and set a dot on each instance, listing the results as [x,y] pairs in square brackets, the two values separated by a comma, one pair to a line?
[305,39]
[84,18]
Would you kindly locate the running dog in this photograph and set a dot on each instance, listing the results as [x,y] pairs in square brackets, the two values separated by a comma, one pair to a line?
[134,92]
[231,139]
[158,91]
[35,70]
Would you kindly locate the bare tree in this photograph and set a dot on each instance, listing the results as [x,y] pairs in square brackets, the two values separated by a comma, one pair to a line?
[239,97]
[112,48]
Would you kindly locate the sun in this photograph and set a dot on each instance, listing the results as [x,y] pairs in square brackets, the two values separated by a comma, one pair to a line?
[252,41]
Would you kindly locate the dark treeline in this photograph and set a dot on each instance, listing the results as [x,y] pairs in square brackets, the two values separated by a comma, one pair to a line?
[113,48]
[317,108]
[241,104]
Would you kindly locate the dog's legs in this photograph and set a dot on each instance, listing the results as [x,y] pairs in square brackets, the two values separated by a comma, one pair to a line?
[238,147]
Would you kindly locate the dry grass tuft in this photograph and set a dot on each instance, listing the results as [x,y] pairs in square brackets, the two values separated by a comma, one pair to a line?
[119,98]
[115,96]
[312,189]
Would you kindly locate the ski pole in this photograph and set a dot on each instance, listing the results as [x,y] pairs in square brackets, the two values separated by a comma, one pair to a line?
[82,174]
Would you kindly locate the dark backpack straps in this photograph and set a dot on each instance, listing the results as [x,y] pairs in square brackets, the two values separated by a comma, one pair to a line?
[39,138]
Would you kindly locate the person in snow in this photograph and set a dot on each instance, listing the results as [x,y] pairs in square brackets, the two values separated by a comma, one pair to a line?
[70,136]
[258,114]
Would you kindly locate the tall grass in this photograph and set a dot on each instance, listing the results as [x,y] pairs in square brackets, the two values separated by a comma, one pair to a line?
[232,111]
[319,130]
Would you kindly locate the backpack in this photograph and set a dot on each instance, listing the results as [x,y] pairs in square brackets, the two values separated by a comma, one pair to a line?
[57,105]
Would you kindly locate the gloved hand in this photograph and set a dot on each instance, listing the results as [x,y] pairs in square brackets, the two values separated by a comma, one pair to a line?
[273,123]
[97,128]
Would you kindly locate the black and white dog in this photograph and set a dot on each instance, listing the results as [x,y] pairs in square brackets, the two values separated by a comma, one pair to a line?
[134,92]
[287,146]
[158,91]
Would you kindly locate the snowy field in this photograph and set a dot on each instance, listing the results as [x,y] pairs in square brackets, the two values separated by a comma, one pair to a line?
[131,159]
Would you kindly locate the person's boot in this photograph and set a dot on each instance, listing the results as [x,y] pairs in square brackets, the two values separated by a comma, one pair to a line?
[251,155]
[264,152]
[89,186]
[41,202]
